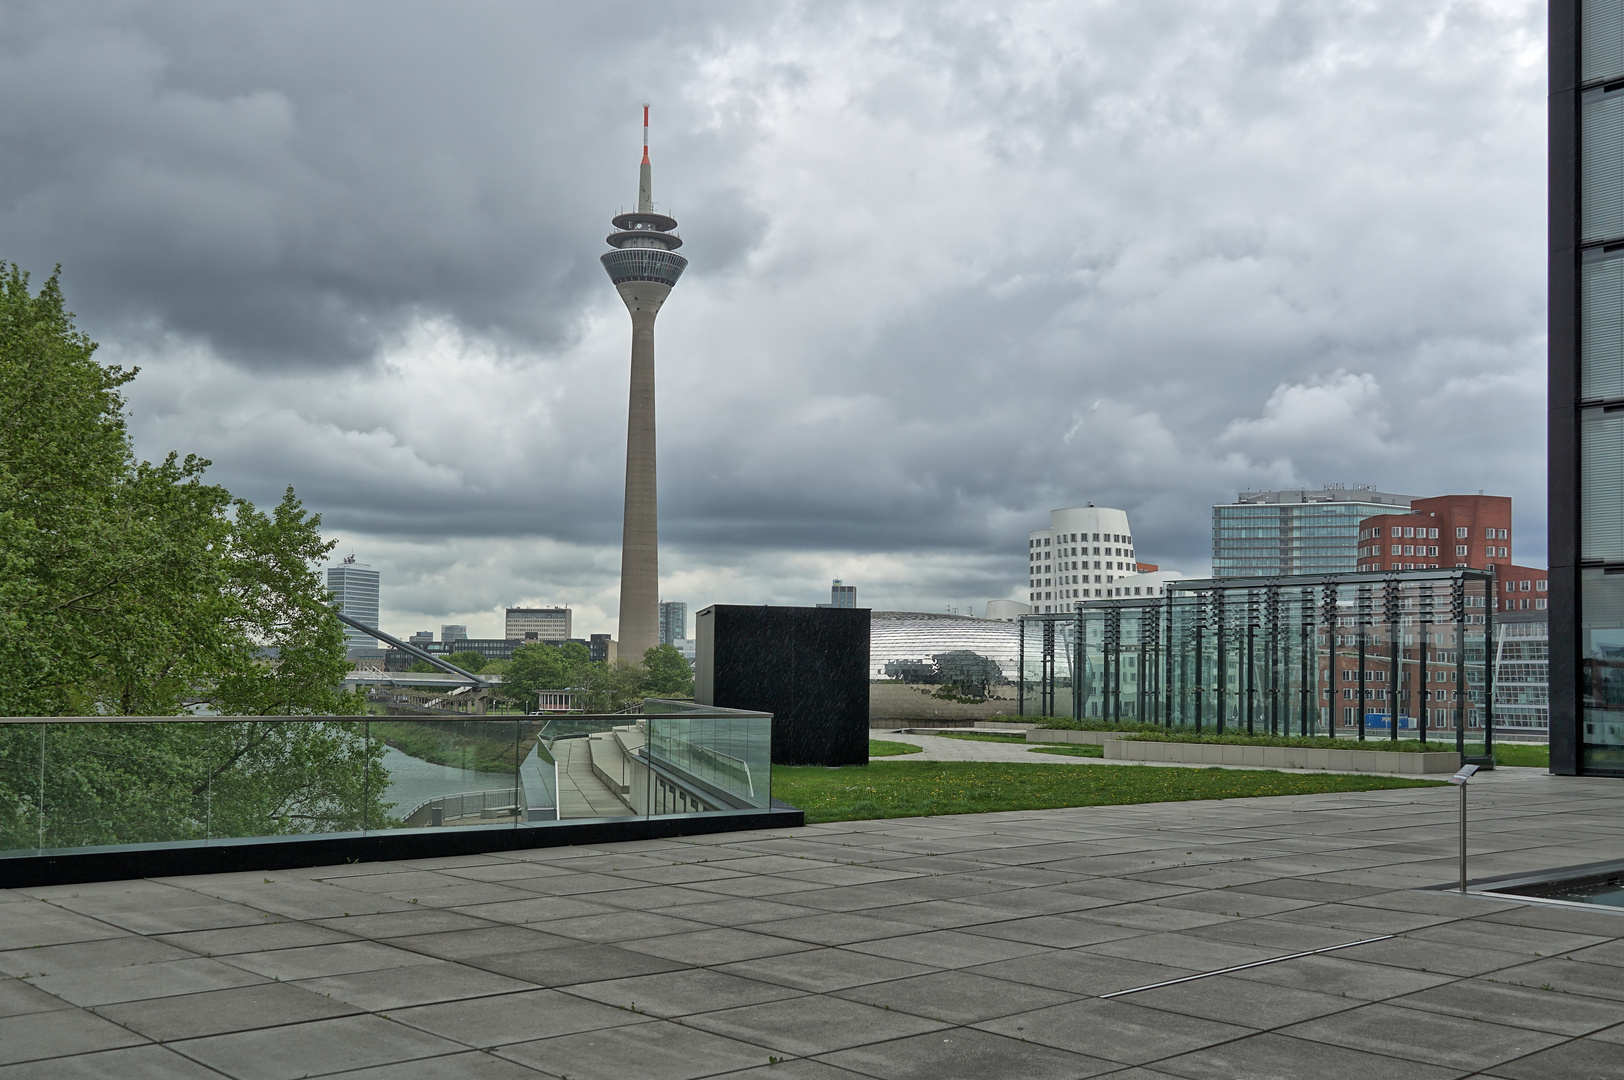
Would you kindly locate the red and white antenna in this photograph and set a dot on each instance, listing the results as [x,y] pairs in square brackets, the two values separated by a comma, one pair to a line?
[645,133]
[645,184]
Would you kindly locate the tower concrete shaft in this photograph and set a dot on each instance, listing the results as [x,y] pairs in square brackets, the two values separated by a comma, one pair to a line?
[644,266]
[640,532]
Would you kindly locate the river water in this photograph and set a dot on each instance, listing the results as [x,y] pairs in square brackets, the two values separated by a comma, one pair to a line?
[413,780]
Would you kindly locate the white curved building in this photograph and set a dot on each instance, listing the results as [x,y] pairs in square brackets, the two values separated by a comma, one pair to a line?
[1084,550]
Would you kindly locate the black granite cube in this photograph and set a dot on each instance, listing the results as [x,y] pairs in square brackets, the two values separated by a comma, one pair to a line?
[806,666]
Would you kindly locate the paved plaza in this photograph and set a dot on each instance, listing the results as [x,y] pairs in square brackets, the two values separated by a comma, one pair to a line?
[995,945]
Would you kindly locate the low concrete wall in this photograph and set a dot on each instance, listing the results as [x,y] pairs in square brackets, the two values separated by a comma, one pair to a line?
[1095,738]
[890,703]
[1280,757]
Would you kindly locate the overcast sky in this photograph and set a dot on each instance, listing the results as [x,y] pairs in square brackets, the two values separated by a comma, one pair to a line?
[952,265]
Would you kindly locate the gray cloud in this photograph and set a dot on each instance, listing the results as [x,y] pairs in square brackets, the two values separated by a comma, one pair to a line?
[952,266]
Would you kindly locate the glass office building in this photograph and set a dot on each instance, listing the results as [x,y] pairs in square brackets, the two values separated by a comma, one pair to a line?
[1276,533]
[354,588]
[1586,386]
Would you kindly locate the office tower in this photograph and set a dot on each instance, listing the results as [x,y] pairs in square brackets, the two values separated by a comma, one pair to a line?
[354,588]
[421,638]
[842,595]
[1276,533]
[673,621]
[451,632]
[1585,395]
[547,624]
[644,266]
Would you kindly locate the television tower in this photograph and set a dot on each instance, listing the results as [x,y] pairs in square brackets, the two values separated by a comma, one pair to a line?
[644,266]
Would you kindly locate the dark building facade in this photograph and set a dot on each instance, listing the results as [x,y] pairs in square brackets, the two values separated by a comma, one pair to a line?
[1585,425]
[806,666]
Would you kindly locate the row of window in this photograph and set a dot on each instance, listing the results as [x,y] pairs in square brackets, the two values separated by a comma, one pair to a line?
[1080,538]
[1067,552]
[1526,585]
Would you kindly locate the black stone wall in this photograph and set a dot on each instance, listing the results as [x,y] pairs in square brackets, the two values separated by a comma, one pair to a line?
[806,666]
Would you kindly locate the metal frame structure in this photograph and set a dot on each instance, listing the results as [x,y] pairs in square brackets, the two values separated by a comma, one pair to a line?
[1241,655]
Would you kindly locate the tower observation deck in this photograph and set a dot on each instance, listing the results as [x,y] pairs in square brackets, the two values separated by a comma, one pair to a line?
[644,265]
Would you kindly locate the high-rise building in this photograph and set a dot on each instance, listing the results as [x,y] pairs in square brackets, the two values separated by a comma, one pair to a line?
[451,632]
[422,637]
[644,266]
[1445,531]
[1276,533]
[842,595]
[1084,549]
[1585,391]
[673,621]
[354,588]
[546,623]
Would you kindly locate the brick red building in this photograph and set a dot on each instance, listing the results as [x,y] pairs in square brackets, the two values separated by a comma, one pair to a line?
[1437,533]
[1441,532]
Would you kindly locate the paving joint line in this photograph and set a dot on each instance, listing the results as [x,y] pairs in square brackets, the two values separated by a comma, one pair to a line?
[1244,967]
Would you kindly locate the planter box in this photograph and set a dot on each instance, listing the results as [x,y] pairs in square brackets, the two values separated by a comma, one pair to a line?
[1095,738]
[1118,748]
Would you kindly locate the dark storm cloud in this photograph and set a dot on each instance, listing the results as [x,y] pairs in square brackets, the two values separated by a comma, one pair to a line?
[294,183]
[953,265]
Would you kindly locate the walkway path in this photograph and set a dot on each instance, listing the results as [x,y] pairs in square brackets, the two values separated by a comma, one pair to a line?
[1039,945]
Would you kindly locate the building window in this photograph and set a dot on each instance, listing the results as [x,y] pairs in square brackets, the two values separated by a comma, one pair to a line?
[1460,533]
[1460,550]
[1542,586]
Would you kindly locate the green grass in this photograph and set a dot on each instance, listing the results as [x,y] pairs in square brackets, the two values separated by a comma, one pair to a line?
[1066,723]
[885,789]
[1071,750]
[983,736]
[463,744]
[1521,755]
[882,748]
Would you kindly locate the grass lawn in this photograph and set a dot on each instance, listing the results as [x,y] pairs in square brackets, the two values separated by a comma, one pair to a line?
[983,736]
[885,789]
[1071,750]
[882,748]
[1521,755]
[483,746]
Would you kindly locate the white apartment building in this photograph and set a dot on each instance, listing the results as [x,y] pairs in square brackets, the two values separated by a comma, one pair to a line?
[354,589]
[1084,550]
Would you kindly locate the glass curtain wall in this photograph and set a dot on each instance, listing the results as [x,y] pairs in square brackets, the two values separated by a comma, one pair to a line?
[1593,410]
[1356,656]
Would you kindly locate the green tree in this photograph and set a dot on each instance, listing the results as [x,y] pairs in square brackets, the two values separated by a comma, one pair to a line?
[666,674]
[537,667]
[468,660]
[137,589]
[607,688]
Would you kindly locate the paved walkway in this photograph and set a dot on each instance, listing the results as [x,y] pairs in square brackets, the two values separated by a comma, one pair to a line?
[1024,945]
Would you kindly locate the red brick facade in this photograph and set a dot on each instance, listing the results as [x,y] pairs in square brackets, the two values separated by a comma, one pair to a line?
[1442,532]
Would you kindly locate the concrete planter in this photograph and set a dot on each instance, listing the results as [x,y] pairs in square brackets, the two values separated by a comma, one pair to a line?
[1118,748]
[1096,738]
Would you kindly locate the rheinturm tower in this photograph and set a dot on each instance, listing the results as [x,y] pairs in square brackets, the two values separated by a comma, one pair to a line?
[643,266]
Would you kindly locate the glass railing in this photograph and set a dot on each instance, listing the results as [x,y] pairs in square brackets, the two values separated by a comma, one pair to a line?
[70,783]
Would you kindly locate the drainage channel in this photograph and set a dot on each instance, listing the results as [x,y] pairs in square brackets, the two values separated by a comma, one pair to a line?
[1244,967]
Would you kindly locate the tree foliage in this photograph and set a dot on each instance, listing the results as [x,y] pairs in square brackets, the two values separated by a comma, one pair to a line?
[666,673]
[468,660]
[537,667]
[129,588]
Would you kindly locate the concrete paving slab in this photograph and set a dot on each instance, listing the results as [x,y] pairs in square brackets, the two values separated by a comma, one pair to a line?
[816,1024]
[967,1054]
[1450,1041]
[134,1063]
[947,948]
[316,961]
[315,1048]
[89,987]
[216,1012]
[18,997]
[659,1048]
[716,946]
[470,1063]
[513,1018]
[955,997]
[261,938]
[826,970]
[38,1036]
[1278,1057]
[1519,1006]
[683,993]
[420,984]
[1115,1030]
[572,964]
